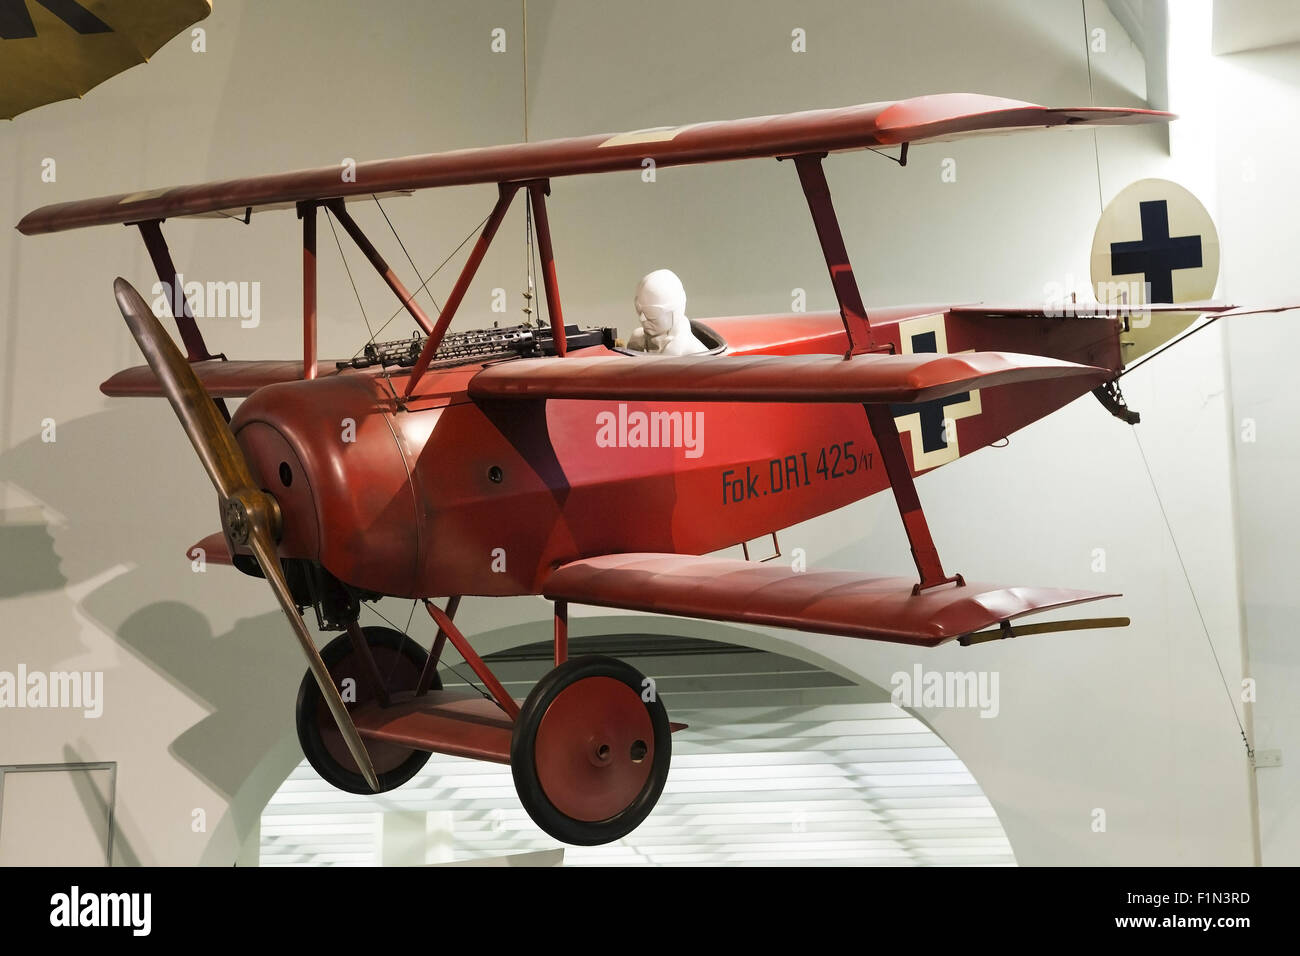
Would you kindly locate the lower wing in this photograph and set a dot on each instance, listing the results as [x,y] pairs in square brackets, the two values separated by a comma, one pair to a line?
[846,603]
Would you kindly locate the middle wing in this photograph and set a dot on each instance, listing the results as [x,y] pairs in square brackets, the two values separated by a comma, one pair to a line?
[222,379]
[768,378]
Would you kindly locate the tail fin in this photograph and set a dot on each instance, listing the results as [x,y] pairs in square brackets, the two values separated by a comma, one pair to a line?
[1154,243]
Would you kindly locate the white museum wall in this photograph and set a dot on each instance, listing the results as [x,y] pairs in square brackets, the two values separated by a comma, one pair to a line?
[200,674]
[1259,198]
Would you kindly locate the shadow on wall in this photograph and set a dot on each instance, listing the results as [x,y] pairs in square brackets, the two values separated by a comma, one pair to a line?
[28,562]
[247,676]
[146,508]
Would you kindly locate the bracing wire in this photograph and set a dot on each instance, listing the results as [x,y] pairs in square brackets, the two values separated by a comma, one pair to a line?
[365,318]
[452,667]
[400,309]
[1168,345]
[424,283]
[406,636]
[348,269]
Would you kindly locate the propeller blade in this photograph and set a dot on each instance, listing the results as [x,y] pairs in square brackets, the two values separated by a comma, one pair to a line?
[251,514]
[259,540]
[207,430]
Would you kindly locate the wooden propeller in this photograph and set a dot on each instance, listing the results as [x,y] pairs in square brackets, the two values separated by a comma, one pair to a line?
[249,516]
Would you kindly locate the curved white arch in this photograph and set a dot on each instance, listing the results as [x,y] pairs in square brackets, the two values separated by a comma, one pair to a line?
[282,756]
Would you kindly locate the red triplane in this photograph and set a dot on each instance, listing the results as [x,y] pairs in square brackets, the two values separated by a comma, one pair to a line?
[475,465]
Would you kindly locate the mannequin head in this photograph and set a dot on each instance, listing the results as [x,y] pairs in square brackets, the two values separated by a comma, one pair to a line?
[660,302]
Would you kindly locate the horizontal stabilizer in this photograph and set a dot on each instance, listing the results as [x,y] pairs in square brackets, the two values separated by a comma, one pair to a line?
[768,378]
[1257,309]
[825,602]
[1109,310]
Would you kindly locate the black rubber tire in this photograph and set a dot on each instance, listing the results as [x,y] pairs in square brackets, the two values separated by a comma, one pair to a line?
[554,822]
[311,704]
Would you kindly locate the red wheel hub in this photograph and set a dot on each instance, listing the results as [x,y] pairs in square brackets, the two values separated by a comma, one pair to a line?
[594,749]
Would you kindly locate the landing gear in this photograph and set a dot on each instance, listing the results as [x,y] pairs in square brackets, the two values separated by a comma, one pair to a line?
[399,661]
[589,753]
[589,748]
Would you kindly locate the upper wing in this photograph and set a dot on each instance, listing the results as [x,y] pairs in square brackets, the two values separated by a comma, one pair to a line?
[920,119]
[825,602]
[768,378]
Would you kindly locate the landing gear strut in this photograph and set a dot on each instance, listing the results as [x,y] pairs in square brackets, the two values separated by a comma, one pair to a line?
[589,749]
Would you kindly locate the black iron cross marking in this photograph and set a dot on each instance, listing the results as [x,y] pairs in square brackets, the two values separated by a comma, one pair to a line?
[933,412]
[16,22]
[1156,255]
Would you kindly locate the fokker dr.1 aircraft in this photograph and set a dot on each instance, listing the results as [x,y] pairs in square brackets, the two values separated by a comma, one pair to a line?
[469,446]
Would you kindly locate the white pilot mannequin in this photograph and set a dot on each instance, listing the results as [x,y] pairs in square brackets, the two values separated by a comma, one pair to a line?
[665,330]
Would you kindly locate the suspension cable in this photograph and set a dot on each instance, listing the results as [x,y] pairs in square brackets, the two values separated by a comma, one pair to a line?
[1187,577]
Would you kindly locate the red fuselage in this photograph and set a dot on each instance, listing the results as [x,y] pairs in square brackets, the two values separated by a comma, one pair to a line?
[448,496]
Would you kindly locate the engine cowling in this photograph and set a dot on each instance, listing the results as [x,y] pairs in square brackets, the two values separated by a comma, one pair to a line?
[327,452]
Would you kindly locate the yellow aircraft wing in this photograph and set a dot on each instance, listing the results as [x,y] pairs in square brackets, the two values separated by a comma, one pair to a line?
[54,50]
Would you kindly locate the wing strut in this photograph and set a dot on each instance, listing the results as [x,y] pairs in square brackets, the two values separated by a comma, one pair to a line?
[815,189]
[307,212]
[506,192]
[858,327]
[195,348]
[336,206]
[924,553]
[537,192]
